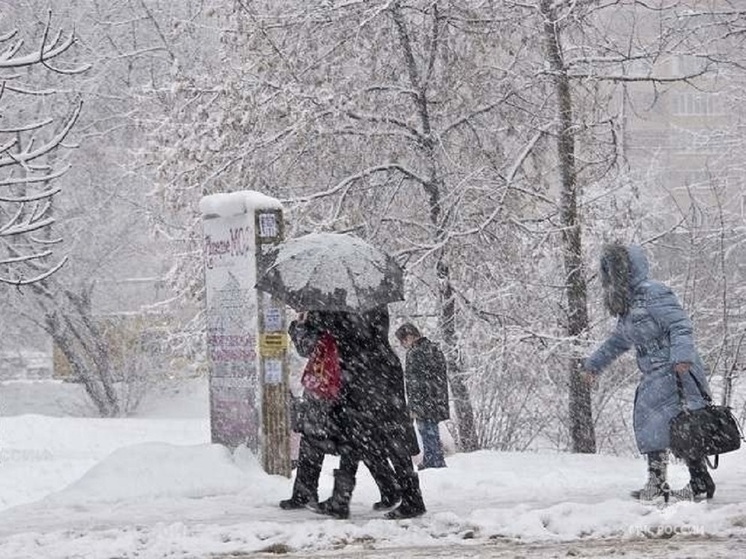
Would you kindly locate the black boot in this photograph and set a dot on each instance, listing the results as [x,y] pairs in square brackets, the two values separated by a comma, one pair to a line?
[310,461]
[338,505]
[294,502]
[303,493]
[387,501]
[700,486]
[702,482]
[384,477]
[301,497]
[656,486]
[412,504]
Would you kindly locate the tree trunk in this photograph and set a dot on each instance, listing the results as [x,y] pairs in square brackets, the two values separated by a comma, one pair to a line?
[72,330]
[433,188]
[80,371]
[461,400]
[581,418]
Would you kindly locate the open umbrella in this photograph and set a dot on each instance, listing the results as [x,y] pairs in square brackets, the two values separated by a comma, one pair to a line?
[331,271]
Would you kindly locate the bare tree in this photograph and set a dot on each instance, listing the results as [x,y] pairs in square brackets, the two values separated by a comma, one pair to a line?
[581,422]
[84,308]
[31,161]
[593,51]
[425,127]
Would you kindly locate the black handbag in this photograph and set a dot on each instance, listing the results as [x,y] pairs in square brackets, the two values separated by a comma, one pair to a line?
[314,419]
[708,431]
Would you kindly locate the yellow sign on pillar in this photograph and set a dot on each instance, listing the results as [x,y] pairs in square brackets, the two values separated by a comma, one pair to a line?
[272,343]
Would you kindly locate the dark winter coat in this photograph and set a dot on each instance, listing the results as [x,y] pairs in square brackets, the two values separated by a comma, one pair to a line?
[651,321]
[388,395]
[374,412]
[371,411]
[427,381]
[315,418]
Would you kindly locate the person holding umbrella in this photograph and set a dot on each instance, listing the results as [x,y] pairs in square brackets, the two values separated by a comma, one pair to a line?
[373,415]
[353,282]
[320,435]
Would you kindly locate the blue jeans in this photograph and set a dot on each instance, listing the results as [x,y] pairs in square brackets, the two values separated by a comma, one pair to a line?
[432,452]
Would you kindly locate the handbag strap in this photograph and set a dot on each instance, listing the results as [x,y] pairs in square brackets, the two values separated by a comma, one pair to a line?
[680,389]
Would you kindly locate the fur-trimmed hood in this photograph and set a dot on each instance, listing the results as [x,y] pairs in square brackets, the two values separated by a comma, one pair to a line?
[639,268]
[622,269]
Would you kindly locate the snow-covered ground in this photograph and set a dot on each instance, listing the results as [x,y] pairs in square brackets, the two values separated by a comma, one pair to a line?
[153,486]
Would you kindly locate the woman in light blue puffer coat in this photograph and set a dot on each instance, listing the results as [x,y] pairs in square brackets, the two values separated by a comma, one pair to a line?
[650,319]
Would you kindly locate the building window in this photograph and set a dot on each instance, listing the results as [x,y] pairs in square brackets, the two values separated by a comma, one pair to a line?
[687,65]
[695,103]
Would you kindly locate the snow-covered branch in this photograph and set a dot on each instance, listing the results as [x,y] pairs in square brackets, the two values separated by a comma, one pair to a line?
[343,184]
[45,52]
[32,145]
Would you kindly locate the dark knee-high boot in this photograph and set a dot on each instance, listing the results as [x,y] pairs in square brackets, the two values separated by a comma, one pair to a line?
[701,480]
[657,485]
[412,504]
[338,505]
[305,487]
[383,475]
[700,486]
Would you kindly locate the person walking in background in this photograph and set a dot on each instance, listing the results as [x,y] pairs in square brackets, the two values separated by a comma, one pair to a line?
[426,379]
[650,319]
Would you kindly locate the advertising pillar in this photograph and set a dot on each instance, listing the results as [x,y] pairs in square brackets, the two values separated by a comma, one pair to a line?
[246,329]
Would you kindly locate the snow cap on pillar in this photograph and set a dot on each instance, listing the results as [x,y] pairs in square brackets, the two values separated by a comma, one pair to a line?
[226,204]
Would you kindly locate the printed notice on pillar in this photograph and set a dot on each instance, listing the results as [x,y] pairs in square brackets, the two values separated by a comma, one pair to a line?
[272,319]
[272,371]
[268,225]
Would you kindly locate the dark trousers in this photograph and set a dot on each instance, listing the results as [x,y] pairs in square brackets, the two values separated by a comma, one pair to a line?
[432,451]
[377,465]
[311,460]
[406,476]
[308,471]
[390,464]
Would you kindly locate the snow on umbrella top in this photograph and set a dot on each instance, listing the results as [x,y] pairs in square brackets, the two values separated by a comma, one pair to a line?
[331,271]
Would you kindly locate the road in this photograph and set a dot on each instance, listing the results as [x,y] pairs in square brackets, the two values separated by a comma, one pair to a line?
[655,547]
